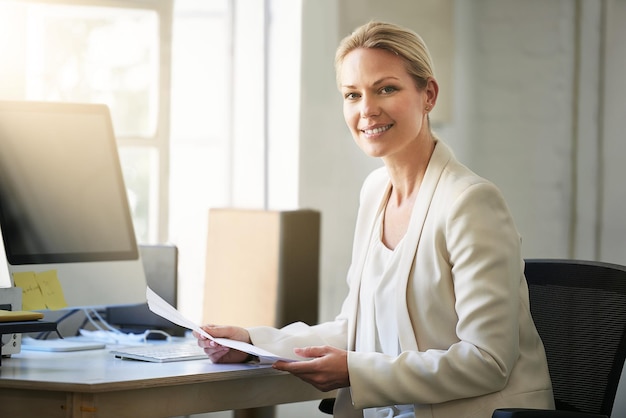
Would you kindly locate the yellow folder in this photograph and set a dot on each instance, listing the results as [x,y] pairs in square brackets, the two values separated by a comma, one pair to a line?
[9,316]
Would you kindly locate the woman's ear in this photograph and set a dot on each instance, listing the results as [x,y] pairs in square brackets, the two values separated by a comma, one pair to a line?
[432,91]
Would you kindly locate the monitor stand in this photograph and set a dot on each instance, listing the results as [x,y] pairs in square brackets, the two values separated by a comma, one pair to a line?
[18,327]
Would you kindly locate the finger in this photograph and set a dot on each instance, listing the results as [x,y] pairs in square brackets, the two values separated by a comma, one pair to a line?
[208,328]
[213,347]
[296,367]
[285,367]
[219,331]
[204,343]
[217,355]
[199,336]
[311,352]
[281,365]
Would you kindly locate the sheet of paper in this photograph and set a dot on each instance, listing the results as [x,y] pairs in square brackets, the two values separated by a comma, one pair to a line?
[160,307]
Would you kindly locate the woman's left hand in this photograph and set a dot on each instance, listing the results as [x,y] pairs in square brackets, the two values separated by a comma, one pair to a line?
[327,370]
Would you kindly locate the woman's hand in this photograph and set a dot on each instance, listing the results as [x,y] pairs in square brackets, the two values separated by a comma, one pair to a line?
[328,369]
[218,353]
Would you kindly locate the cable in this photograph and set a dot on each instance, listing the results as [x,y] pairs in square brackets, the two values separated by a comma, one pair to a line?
[108,326]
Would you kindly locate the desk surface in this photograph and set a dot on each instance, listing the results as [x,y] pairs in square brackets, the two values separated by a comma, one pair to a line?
[96,384]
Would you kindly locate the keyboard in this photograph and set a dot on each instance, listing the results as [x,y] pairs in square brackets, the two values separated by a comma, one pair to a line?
[162,353]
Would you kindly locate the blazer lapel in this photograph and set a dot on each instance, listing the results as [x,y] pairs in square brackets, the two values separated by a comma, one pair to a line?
[438,161]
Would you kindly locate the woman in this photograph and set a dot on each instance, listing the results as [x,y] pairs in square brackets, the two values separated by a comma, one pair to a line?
[436,322]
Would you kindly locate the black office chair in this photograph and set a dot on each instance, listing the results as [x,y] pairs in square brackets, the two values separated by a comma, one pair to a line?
[579,308]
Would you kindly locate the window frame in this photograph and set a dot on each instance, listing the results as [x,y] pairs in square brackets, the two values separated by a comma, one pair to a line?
[159,141]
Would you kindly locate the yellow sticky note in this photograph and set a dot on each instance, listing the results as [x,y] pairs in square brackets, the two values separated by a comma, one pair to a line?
[51,289]
[32,299]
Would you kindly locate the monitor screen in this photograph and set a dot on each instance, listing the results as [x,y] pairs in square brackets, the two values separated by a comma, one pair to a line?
[63,203]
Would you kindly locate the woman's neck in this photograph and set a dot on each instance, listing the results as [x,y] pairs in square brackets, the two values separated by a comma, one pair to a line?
[406,179]
[407,172]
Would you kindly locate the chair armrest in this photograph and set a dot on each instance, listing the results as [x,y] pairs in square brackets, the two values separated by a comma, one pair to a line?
[541,413]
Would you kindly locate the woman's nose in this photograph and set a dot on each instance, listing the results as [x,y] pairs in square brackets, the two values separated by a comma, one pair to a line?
[369,107]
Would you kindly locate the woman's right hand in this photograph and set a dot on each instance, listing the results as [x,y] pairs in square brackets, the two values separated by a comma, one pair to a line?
[218,353]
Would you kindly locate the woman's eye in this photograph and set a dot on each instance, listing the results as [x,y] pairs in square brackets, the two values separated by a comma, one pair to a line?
[350,96]
[388,89]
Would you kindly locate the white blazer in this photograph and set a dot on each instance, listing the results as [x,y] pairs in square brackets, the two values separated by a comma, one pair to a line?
[468,342]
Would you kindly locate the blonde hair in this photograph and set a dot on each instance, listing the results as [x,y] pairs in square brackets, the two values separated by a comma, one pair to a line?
[401,41]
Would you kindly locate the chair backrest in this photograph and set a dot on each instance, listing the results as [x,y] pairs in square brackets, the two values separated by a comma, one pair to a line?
[579,308]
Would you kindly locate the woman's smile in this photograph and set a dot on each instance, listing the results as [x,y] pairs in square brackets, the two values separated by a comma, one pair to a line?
[376,130]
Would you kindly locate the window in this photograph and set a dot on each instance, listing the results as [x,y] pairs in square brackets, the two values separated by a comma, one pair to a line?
[74,53]
[201,149]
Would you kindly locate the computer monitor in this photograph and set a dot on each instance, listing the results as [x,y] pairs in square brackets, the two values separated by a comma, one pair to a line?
[63,202]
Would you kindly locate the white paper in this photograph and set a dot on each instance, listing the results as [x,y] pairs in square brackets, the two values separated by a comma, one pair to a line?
[167,311]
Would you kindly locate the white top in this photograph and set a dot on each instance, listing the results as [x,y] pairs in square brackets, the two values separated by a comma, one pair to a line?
[376,304]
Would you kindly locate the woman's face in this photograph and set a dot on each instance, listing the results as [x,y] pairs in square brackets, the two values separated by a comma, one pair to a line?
[382,106]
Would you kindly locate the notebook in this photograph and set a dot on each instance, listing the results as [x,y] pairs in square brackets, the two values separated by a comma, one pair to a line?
[162,353]
[60,344]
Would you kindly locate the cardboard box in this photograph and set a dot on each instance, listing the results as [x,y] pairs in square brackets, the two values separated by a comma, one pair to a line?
[262,267]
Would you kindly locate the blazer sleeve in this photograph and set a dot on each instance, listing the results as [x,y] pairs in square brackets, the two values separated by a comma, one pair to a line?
[481,255]
[282,341]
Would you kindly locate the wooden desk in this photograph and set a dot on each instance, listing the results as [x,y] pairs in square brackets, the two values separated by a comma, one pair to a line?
[96,384]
